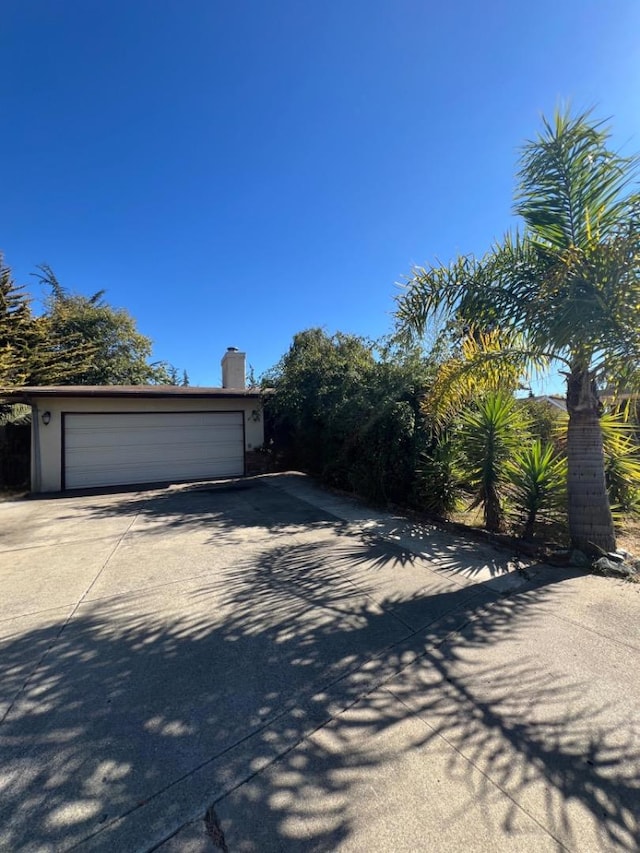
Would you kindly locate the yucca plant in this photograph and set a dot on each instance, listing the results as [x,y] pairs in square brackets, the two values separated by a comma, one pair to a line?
[622,462]
[439,476]
[490,431]
[538,478]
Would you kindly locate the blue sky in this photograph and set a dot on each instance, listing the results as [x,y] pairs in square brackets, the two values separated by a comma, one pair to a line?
[233,172]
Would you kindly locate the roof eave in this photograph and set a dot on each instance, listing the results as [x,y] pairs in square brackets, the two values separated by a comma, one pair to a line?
[27,394]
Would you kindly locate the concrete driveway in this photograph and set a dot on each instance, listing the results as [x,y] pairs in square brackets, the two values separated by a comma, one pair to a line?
[265,667]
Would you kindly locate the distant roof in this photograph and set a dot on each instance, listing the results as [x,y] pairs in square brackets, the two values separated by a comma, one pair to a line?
[552,400]
[26,393]
[618,393]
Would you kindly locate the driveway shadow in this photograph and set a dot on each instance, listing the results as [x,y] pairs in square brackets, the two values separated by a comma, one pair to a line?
[144,704]
[234,512]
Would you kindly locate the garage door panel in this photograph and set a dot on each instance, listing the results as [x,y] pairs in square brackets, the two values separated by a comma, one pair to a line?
[110,420]
[86,457]
[146,447]
[121,444]
[86,439]
[122,475]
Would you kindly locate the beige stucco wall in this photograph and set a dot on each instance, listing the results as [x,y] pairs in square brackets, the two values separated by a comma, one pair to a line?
[46,443]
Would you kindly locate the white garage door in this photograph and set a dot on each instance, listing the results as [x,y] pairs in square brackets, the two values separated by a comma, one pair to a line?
[151,447]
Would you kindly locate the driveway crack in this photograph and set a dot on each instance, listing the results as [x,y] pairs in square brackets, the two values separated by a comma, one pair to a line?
[70,616]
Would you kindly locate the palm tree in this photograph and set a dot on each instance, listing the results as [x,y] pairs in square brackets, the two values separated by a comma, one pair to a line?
[566,290]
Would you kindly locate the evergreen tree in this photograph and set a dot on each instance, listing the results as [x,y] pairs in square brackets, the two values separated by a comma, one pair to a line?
[16,327]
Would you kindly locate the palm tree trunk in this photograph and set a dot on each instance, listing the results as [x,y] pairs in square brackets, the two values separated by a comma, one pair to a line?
[590,520]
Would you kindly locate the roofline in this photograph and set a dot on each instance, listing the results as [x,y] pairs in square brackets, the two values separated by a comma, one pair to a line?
[613,394]
[28,393]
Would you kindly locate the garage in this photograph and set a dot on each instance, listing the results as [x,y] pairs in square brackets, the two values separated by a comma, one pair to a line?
[97,436]
[117,449]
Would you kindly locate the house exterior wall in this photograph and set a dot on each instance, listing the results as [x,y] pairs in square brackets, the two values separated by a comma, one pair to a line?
[46,444]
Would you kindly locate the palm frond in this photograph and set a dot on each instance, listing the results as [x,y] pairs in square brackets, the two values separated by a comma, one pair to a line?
[432,294]
[487,362]
[571,185]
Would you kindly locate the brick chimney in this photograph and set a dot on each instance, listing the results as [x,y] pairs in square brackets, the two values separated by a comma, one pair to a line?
[233,368]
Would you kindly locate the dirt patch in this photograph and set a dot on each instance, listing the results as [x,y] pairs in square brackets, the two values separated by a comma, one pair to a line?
[629,537]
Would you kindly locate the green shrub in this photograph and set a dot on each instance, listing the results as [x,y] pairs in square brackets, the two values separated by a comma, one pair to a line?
[339,411]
